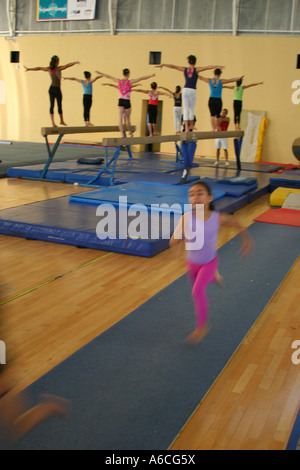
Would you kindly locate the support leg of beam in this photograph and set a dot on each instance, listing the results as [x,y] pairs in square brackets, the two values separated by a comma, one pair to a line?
[106,170]
[179,156]
[50,154]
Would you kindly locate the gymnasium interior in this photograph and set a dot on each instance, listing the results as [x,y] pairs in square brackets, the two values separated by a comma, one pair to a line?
[96,313]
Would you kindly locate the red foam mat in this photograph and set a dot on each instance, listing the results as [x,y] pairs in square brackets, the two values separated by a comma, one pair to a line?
[280,216]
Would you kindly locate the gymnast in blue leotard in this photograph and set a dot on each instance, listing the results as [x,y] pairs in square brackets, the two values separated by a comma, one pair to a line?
[87,85]
[215,99]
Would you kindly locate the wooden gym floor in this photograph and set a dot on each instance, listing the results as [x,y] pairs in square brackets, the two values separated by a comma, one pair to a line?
[56,298]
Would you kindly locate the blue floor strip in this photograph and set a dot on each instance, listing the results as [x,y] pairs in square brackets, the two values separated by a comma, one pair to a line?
[294,440]
[135,386]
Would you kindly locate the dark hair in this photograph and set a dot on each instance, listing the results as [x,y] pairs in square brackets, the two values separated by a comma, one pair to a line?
[239,82]
[53,61]
[192,59]
[218,71]
[87,74]
[225,109]
[205,185]
[126,71]
[153,85]
[178,89]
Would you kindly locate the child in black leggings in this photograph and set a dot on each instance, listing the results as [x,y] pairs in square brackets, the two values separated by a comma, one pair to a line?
[87,85]
[238,91]
[54,70]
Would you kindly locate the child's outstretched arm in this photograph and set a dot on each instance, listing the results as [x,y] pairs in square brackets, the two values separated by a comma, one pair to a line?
[247,242]
[171,66]
[146,77]
[230,80]
[110,84]
[253,84]
[141,91]
[114,79]
[165,94]
[204,79]
[73,79]
[36,69]
[167,89]
[95,79]
[71,64]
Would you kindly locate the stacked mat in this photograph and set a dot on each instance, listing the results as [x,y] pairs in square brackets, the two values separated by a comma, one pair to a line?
[126,170]
[287,179]
[235,187]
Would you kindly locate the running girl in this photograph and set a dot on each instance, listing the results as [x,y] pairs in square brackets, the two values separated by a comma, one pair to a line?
[203,263]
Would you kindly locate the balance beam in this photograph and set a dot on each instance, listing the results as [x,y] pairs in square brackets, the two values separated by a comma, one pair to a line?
[156,139]
[184,137]
[61,131]
[79,130]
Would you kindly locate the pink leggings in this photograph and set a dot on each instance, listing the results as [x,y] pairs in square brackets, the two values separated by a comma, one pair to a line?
[200,276]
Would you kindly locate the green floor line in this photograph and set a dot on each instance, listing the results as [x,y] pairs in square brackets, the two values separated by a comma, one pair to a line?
[53,279]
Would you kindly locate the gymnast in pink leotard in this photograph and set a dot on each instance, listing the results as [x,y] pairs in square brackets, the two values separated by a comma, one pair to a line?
[125,86]
[199,229]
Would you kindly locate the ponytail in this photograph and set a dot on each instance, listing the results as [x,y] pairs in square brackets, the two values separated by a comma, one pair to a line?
[53,62]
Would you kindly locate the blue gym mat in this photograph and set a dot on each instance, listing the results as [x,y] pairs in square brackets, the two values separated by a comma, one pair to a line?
[234,190]
[245,166]
[145,194]
[287,179]
[136,385]
[154,177]
[126,171]
[60,221]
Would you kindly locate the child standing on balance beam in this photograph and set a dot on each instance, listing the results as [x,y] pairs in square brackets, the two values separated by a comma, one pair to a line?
[153,96]
[54,70]
[87,85]
[199,229]
[238,90]
[215,99]
[124,105]
[189,90]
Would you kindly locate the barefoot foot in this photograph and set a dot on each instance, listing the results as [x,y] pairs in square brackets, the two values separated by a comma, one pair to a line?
[198,335]
[220,280]
[61,406]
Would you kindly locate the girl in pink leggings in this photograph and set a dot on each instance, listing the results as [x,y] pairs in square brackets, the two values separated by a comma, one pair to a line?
[199,228]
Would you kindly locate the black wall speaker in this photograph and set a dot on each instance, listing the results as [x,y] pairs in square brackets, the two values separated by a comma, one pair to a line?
[14,57]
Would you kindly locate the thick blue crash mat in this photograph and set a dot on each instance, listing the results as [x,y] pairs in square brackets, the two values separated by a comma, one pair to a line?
[240,180]
[234,190]
[154,177]
[59,221]
[143,194]
[256,167]
[126,171]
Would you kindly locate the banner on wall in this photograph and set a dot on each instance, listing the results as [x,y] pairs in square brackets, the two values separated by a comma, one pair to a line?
[56,10]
